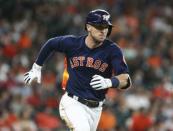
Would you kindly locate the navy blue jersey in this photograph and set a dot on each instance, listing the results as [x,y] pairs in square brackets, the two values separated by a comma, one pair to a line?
[83,63]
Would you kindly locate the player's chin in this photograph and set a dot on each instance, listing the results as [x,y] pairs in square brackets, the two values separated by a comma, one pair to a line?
[101,38]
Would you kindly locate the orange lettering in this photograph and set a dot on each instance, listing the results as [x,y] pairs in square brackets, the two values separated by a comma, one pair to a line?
[71,63]
[97,64]
[103,67]
[89,62]
[75,61]
[81,60]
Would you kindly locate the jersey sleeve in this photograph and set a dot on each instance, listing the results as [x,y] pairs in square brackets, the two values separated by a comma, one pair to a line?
[118,62]
[59,44]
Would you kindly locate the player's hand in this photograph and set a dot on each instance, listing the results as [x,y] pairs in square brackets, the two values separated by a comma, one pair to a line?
[33,74]
[98,82]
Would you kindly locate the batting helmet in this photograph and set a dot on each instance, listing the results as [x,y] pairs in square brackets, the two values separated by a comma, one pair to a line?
[99,17]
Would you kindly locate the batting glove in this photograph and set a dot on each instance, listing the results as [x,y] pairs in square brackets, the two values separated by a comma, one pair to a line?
[98,82]
[33,74]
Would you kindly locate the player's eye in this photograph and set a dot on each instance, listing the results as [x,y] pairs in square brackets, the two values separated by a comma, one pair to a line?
[101,27]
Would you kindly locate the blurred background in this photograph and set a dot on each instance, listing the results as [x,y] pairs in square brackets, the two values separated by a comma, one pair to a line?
[142,28]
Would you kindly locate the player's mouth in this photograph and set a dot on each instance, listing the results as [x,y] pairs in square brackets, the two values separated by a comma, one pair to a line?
[102,35]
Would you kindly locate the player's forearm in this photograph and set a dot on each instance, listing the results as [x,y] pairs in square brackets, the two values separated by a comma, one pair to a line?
[124,81]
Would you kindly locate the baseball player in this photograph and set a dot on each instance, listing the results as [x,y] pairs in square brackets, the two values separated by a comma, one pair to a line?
[94,65]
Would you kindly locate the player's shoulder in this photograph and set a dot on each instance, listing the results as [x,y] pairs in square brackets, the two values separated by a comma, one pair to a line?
[68,37]
[112,45]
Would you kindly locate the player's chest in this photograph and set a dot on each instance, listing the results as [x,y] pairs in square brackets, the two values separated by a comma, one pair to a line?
[97,59]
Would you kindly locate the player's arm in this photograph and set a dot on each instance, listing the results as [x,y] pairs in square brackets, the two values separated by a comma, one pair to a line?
[54,44]
[124,81]
[121,80]
[121,71]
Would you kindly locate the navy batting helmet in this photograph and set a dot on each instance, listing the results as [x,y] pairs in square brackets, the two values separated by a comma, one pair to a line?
[99,17]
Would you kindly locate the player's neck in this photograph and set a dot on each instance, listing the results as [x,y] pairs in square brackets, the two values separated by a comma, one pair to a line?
[91,43]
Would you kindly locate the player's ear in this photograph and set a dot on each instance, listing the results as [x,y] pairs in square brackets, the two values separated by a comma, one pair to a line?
[88,27]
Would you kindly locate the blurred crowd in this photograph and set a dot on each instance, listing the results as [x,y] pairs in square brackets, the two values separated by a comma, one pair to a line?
[144,31]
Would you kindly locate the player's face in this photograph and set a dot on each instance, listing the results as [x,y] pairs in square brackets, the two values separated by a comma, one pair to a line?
[98,32]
